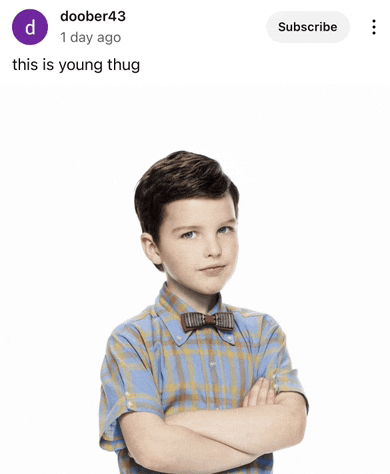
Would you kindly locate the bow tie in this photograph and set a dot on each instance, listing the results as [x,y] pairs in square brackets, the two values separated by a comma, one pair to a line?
[192,321]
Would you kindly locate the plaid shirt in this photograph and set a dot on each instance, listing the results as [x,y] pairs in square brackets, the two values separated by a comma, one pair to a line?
[152,365]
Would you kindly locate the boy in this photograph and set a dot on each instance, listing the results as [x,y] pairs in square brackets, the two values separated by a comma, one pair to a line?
[192,385]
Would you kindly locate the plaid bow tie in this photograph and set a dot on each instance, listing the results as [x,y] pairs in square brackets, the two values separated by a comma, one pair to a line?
[192,321]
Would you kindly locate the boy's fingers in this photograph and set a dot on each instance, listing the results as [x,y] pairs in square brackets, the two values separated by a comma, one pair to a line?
[261,393]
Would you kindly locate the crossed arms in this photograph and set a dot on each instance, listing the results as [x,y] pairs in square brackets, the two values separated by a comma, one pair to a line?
[209,441]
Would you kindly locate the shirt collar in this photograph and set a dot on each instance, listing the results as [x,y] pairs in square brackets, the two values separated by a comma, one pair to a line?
[169,308]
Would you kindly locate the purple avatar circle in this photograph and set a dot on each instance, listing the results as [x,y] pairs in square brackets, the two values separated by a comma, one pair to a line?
[29,27]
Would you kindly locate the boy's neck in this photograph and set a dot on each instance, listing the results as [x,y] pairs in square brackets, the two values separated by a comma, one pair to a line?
[200,302]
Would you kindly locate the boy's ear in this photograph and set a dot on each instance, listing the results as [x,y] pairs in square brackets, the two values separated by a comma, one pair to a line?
[150,248]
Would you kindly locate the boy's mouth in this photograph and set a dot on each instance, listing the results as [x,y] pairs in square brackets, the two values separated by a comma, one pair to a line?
[213,268]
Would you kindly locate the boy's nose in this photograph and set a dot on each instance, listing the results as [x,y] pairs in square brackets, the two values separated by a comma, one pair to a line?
[212,248]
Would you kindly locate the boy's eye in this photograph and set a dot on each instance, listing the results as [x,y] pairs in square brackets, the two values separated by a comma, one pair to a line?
[225,230]
[189,235]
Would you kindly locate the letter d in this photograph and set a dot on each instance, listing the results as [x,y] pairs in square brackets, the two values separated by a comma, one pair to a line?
[32,30]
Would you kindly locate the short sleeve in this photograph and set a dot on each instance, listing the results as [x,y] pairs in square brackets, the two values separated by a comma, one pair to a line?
[275,362]
[127,385]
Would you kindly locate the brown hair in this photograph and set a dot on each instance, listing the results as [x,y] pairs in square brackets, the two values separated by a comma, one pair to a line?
[181,175]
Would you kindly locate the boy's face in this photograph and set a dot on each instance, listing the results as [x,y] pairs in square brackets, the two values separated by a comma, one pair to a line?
[198,245]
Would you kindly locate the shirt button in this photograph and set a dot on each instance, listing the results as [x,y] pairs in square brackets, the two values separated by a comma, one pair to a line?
[127,394]
[230,338]
[179,338]
[212,364]
[129,404]
[217,408]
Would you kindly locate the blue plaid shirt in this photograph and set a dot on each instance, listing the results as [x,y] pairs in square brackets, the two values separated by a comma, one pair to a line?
[152,365]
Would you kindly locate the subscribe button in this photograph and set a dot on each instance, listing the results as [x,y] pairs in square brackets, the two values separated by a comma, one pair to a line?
[308,27]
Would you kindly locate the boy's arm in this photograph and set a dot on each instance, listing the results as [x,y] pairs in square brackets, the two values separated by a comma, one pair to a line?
[175,449]
[264,424]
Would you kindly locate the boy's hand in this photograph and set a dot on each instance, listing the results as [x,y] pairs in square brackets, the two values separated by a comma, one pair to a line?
[262,393]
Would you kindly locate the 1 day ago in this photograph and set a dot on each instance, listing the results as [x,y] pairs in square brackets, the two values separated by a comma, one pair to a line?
[81,38]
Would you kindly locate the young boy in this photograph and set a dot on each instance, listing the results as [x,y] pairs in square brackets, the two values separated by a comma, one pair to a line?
[192,385]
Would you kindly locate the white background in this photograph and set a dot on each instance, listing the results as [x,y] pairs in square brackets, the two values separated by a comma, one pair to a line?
[307,146]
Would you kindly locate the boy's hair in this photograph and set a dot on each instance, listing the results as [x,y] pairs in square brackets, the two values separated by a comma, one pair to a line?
[181,175]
